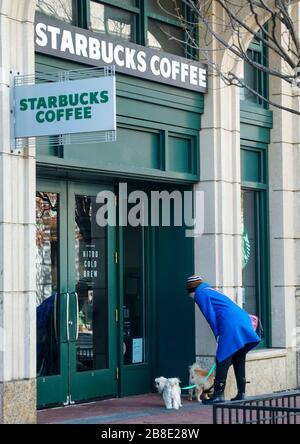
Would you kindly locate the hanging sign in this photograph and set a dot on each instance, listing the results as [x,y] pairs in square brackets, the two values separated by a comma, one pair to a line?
[68,107]
[59,39]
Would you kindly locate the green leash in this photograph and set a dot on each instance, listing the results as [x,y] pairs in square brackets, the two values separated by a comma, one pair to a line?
[202,380]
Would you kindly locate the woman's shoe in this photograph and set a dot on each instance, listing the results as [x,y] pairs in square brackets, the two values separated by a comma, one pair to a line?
[218,396]
[239,397]
[214,400]
[241,386]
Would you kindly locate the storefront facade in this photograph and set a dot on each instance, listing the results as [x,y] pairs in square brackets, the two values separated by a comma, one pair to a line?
[90,312]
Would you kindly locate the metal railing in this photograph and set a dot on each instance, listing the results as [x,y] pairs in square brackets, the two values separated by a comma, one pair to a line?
[278,408]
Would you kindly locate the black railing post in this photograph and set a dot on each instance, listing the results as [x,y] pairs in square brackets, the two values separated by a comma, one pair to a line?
[215,416]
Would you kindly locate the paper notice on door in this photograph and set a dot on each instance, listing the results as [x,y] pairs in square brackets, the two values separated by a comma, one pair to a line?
[137,350]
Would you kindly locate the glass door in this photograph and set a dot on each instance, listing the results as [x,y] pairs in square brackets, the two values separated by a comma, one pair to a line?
[76,295]
[51,297]
[93,333]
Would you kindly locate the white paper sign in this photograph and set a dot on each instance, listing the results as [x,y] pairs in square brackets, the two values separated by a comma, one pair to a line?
[76,106]
[137,350]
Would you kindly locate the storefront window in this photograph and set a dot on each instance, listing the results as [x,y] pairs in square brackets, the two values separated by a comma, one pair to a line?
[157,25]
[164,30]
[166,8]
[113,21]
[91,287]
[249,250]
[47,213]
[165,38]
[254,231]
[255,78]
[134,300]
[59,9]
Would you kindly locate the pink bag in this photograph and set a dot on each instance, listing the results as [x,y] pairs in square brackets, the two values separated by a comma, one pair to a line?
[255,322]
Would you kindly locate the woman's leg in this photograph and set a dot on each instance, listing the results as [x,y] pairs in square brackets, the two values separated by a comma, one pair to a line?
[220,381]
[239,366]
[222,368]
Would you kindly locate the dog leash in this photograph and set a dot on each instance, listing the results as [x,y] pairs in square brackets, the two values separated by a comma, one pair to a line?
[202,380]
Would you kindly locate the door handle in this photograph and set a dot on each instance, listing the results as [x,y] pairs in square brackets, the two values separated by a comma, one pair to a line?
[67,316]
[77,314]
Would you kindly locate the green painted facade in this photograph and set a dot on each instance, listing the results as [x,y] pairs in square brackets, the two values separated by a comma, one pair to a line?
[157,148]
[159,126]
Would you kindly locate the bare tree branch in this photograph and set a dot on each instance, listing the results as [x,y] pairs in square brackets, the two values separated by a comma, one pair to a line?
[231,25]
[61,9]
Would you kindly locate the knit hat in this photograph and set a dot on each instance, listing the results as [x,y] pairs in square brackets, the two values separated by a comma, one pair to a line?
[193,282]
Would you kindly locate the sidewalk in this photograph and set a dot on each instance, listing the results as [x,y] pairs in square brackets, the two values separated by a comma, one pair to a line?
[140,409]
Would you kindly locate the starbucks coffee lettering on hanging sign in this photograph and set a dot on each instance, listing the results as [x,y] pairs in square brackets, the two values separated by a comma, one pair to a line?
[59,39]
[75,106]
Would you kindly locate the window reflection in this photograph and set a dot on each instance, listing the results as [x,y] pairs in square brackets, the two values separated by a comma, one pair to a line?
[47,210]
[112,21]
[60,9]
[166,8]
[90,266]
[134,324]
[165,38]
[249,250]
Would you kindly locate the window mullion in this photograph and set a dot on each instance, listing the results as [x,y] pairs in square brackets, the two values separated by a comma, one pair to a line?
[143,22]
[82,13]
[167,21]
[116,4]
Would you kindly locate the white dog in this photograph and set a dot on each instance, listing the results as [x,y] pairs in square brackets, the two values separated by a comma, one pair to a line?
[170,390]
[204,386]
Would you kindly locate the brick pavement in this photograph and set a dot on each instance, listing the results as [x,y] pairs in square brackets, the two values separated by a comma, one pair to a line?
[140,409]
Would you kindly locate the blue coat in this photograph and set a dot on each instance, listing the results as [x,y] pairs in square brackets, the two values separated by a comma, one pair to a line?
[227,320]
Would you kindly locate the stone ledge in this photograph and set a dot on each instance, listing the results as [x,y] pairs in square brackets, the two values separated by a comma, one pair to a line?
[266,353]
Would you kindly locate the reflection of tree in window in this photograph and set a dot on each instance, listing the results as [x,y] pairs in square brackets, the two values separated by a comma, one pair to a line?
[255,78]
[250,250]
[61,9]
[111,21]
[165,37]
[83,210]
[46,244]
[47,207]
[166,8]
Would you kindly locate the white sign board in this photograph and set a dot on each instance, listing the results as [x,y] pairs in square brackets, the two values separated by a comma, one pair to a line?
[59,39]
[137,350]
[76,106]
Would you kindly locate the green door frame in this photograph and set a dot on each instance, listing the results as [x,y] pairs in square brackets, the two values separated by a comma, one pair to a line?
[137,378]
[262,268]
[95,383]
[70,385]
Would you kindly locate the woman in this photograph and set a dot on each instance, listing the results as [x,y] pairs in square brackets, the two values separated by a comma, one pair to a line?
[233,328]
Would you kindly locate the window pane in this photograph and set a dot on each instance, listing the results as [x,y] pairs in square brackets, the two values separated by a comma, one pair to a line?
[112,21]
[47,213]
[165,38]
[91,286]
[253,78]
[134,335]
[249,251]
[166,7]
[127,3]
[60,9]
